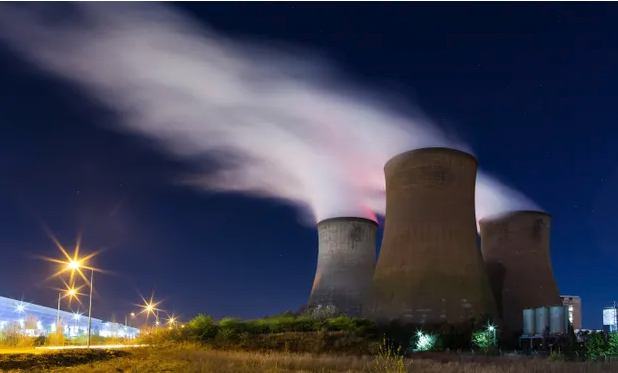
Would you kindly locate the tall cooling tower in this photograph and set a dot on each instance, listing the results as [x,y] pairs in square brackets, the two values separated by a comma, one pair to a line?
[430,268]
[346,259]
[515,248]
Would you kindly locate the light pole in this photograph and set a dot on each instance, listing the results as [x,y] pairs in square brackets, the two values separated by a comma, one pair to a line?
[76,265]
[90,307]
[69,292]
[172,321]
[126,324]
[492,329]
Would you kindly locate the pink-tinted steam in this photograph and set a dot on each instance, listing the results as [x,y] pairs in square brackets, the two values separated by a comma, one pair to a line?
[297,132]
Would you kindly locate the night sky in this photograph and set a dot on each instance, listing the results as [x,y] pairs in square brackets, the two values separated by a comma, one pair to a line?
[532,88]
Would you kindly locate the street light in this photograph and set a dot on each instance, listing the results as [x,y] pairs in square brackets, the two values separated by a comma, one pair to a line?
[492,329]
[76,265]
[126,324]
[150,307]
[69,292]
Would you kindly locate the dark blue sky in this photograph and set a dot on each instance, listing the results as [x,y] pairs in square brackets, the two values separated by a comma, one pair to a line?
[530,86]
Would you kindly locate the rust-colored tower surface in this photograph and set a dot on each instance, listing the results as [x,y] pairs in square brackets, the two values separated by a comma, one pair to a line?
[346,259]
[515,248]
[430,268]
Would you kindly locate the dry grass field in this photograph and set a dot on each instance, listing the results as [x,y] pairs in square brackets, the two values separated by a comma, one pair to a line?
[188,359]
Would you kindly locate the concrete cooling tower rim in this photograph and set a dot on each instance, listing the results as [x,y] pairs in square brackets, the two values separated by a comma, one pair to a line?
[348,220]
[437,150]
[512,214]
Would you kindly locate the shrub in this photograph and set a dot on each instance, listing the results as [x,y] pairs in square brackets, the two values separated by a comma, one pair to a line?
[612,344]
[595,345]
[340,323]
[424,341]
[389,357]
[231,328]
[202,328]
[556,357]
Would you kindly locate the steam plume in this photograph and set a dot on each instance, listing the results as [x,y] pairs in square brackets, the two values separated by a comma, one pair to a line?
[280,125]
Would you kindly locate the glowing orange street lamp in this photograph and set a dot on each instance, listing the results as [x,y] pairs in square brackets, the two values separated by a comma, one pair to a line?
[75,264]
[68,292]
[150,307]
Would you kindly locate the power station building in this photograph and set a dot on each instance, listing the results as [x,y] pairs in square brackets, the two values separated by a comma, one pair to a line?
[515,248]
[346,259]
[430,268]
[574,307]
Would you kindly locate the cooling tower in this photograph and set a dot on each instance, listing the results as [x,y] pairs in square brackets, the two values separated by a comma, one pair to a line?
[346,259]
[430,268]
[515,248]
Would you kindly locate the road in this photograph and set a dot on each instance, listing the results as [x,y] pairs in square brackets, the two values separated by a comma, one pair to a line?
[41,350]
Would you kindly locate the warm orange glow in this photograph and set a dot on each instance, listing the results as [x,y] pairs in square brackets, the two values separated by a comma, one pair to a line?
[71,292]
[72,263]
[149,306]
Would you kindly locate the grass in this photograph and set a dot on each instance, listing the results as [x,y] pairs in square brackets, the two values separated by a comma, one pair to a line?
[189,359]
[34,361]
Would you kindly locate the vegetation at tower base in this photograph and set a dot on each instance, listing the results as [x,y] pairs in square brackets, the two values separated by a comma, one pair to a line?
[303,333]
[340,335]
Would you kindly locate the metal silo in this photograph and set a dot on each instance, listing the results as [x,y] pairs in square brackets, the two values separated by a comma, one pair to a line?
[529,322]
[542,320]
[515,248]
[430,268]
[346,259]
[558,322]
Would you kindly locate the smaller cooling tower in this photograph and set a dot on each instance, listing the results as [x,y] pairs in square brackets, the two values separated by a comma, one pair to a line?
[515,248]
[346,259]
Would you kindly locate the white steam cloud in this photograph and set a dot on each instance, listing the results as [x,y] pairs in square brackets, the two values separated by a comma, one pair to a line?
[280,125]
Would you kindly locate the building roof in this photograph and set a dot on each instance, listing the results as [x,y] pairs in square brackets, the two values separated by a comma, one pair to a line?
[18,306]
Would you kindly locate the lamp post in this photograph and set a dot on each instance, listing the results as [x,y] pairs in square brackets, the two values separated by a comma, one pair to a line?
[492,329]
[126,323]
[69,292]
[150,307]
[90,307]
[76,265]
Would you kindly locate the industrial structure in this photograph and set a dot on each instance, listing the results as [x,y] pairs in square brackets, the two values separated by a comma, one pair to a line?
[574,306]
[346,259]
[34,320]
[610,318]
[430,268]
[515,248]
[545,326]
